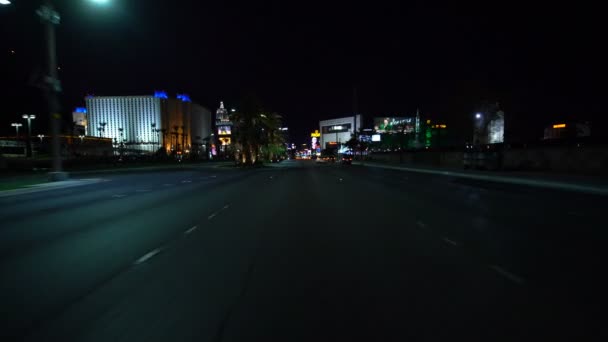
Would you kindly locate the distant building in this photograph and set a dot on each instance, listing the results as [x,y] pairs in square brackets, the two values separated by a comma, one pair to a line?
[147,122]
[567,130]
[79,118]
[224,127]
[335,132]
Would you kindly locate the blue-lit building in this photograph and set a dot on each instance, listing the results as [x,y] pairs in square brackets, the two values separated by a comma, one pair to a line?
[147,122]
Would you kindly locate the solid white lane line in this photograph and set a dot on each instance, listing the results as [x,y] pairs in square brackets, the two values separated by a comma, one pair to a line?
[451,242]
[190,230]
[147,256]
[211,216]
[512,277]
[226,206]
[118,196]
[421,224]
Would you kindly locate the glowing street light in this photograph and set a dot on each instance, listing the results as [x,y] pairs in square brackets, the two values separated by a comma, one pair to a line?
[40,136]
[5,2]
[17,125]
[478,116]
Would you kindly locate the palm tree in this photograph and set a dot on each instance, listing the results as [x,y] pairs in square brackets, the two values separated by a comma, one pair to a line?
[175,132]
[273,141]
[164,131]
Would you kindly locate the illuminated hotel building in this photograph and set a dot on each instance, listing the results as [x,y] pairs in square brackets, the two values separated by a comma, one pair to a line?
[224,126]
[147,121]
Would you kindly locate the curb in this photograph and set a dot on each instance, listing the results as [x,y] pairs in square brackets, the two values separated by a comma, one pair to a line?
[587,189]
[50,186]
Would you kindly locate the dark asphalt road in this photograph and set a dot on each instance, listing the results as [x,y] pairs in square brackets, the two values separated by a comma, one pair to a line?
[301,252]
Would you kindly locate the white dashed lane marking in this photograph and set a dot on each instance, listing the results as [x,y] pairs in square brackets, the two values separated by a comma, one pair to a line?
[142,190]
[147,256]
[512,277]
[187,181]
[421,224]
[226,206]
[211,216]
[118,196]
[451,242]
[190,230]
[167,184]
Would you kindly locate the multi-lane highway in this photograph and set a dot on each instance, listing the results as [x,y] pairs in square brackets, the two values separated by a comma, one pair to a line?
[300,251]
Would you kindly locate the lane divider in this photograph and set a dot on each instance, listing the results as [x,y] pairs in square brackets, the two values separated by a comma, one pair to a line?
[119,196]
[211,216]
[226,206]
[187,181]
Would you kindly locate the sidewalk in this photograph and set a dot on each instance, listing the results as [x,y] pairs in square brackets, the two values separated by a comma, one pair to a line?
[50,186]
[583,184]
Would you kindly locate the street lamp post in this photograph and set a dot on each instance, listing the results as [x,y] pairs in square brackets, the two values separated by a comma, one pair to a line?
[29,118]
[50,18]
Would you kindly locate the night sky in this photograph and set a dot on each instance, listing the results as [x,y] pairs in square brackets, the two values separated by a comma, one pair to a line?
[541,61]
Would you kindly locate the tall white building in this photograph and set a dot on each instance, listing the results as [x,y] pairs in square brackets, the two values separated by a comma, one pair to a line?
[147,122]
[107,115]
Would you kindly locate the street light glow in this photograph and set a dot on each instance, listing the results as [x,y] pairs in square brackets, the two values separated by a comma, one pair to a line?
[101,2]
[478,116]
[5,2]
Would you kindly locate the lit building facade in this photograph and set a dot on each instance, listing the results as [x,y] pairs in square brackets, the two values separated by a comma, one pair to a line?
[335,132]
[224,126]
[147,122]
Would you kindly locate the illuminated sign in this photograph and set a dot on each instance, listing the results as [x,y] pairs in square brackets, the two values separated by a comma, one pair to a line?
[80,110]
[224,141]
[224,130]
[336,128]
[315,134]
[559,126]
[376,137]
[394,125]
[315,143]
[184,97]
[161,95]
[439,126]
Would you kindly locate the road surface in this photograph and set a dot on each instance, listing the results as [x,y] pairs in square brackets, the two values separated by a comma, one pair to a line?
[300,252]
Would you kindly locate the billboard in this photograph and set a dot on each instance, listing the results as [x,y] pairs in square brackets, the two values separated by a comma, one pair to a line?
[224,130]
[376,137]
[336,128]
[394,124]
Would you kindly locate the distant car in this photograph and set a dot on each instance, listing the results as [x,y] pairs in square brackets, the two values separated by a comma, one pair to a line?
[347,160]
